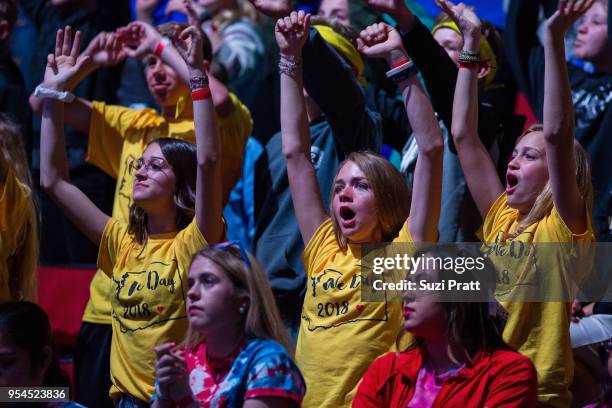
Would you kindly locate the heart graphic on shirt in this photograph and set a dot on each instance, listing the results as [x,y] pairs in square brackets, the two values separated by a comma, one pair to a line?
[360,307]
[159,309]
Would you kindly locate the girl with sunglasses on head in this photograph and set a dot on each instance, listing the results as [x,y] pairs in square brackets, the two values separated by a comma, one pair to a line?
[176,211]
[340,333]
[547,199]
[235,353]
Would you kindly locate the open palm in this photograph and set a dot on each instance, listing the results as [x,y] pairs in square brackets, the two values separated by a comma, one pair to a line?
[63,67]
[568,12]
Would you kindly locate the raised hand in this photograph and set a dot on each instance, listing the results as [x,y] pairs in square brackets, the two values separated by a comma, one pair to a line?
[64,67]
[176,5]
[395,8]
[291,33]
[380,40]
[138,39]
[189,45]
[568,12]
[465,18]
[273,8]
[105,50]
[144,9]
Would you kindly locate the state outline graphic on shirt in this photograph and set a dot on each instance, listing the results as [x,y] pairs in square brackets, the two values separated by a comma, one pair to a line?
[520,279]
[149,314]
[355,282]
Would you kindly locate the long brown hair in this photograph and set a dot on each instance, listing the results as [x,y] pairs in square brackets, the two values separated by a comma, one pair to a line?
[181,156]
[24,261]
[470,324]
[262,319]
[544,201]
[391,194]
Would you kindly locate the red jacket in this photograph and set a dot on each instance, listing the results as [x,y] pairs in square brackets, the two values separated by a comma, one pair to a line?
[503,378]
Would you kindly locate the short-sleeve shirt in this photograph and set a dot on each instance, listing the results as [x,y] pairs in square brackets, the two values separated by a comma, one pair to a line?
[17,224]
[340,335]
[260,368]
[538,330]
[118,135]
[148,290]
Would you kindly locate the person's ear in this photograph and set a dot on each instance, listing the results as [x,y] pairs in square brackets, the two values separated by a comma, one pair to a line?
[206,65]
[5,31]
[483,71]
[45,358]
[244,302]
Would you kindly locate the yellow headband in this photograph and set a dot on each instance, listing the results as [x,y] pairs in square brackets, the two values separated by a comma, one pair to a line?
[486,52]
[345,48]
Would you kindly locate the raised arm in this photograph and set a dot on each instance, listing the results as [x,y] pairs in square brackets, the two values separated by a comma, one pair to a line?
[104,50]
[559,117]
[291,33]
[209,206]
[524,52]
[381,40]
[61,67]
[146,40]
[477,165]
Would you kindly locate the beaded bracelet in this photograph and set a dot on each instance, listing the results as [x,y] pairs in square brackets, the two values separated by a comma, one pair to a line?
[198,82]
[289,65]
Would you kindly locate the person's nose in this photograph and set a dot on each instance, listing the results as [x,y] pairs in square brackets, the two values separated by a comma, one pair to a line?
[345,195]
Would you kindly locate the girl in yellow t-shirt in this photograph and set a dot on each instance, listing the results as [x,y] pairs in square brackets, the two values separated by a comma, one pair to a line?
[341,333]
[546,200]
[177,203]
[18,230]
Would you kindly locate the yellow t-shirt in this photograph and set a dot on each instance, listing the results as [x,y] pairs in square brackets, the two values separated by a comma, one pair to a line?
[118,135]
[149,287]
[340,335]
[539,330]
[16,212]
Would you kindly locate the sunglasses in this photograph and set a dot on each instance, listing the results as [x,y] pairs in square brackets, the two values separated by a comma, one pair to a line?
[234,243]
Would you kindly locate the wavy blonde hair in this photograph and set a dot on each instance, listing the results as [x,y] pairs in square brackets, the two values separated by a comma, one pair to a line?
[262,319]
[391,195]
[543,204]
[243,8]
[22,264]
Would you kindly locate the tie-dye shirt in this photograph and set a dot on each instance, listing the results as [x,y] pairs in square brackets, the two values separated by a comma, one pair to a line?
[260,368]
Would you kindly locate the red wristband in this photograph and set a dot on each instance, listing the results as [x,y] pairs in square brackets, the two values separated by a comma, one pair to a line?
[399,63]
[159,48]
[469,66]
[200,94]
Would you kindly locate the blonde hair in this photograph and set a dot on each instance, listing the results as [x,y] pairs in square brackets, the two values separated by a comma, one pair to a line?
[262,319]
[544,202]
[23,263]
[391,195]
[227,16]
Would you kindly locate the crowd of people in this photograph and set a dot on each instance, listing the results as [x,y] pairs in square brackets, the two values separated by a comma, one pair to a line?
[226,164]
